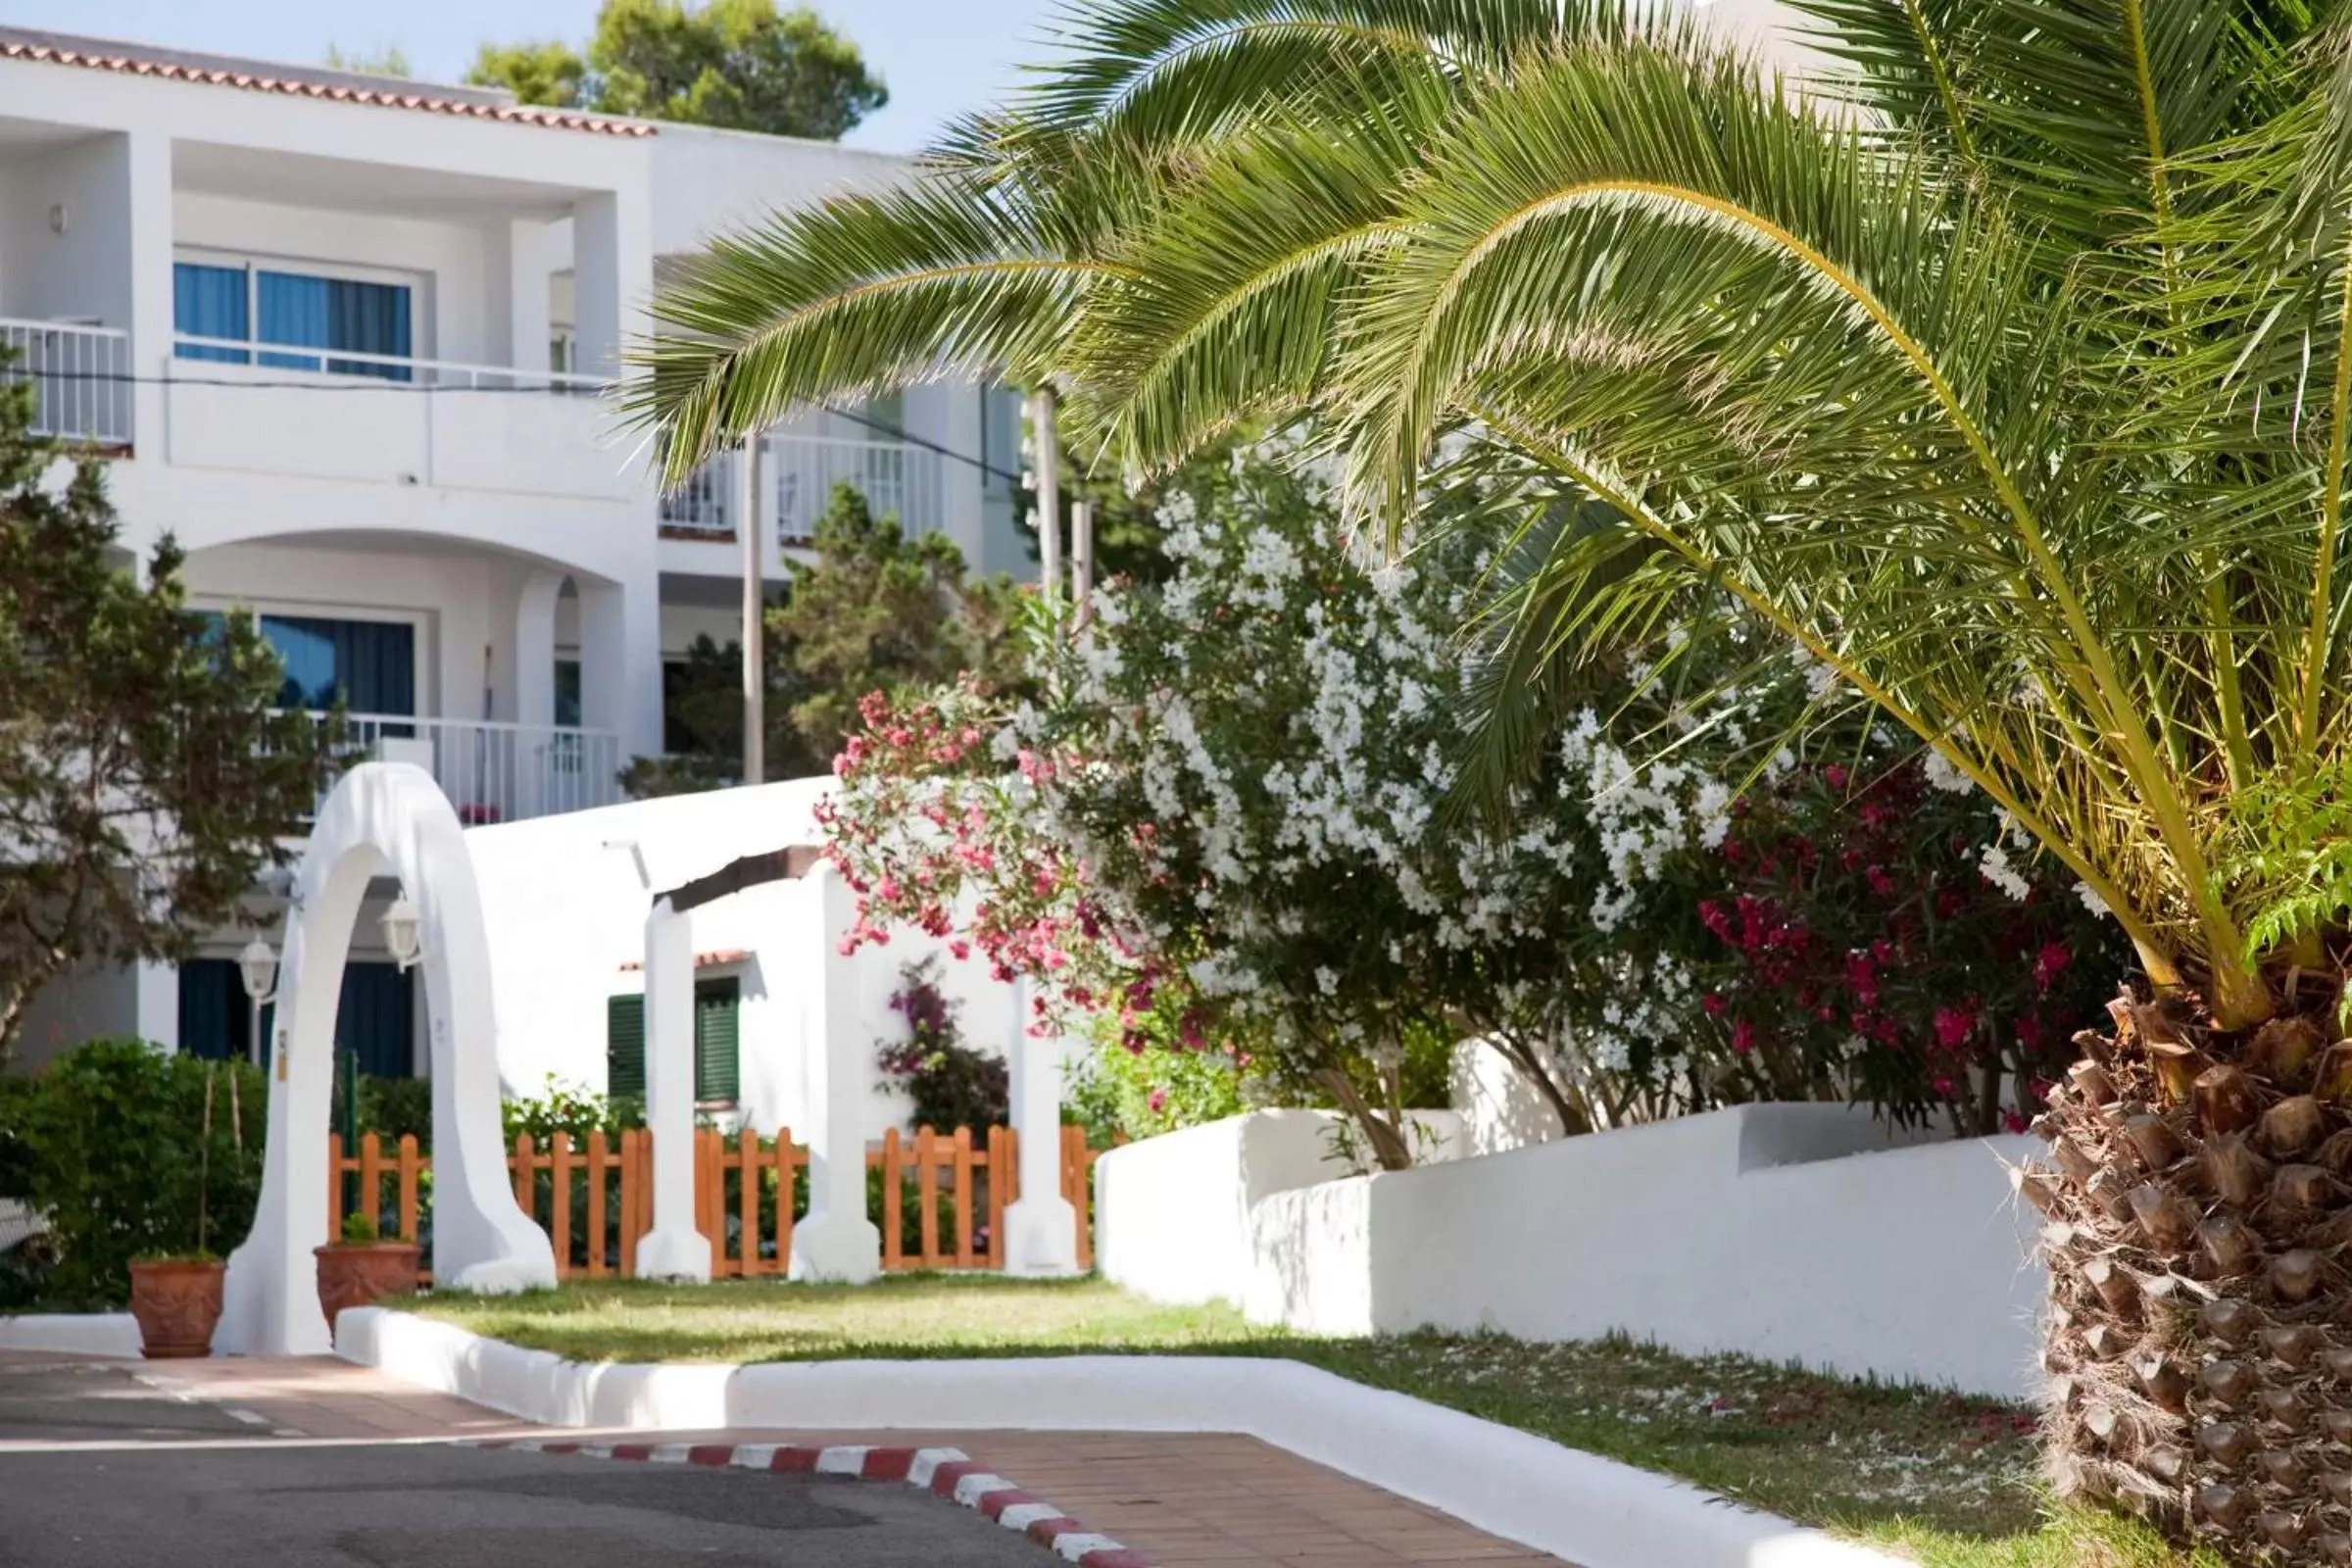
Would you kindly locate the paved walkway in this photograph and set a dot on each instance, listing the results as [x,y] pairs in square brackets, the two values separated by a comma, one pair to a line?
[1179,1500]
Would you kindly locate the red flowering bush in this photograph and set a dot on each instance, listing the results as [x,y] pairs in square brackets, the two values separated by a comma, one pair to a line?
[1862,938]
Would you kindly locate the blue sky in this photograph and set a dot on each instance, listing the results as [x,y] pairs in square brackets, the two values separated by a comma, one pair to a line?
[939,57]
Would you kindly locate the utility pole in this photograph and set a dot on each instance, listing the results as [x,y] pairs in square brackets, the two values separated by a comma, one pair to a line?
[746,507]
[1049,496]
[1082,558]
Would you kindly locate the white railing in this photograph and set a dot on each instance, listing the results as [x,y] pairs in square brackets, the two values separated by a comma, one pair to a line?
[495,772]
[705,503]
[896,478]
[395,368]
[81,376]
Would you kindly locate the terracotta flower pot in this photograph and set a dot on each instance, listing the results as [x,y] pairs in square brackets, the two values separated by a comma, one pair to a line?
[178,1303]
[363,1274]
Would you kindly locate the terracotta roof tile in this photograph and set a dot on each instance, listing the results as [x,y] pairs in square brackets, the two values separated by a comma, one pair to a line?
[100,59]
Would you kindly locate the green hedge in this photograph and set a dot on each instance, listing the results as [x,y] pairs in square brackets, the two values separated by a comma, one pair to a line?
[108,1141]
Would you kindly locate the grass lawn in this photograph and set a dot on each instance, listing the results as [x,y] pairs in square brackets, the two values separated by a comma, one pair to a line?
[1943,1479]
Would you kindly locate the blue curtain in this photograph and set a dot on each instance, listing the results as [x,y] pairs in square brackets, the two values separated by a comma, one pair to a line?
[370,665]
[333,313]
[209,302]
[375,1017]
[213,1009]
[292,310]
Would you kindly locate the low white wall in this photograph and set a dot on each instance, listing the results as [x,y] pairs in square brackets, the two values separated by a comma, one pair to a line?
[112,1334]
[1500,1110]
[1578,1506]
[1786,1231]
[1173,1212]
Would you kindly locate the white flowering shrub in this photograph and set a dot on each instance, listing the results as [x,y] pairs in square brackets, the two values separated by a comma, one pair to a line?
[1225,822]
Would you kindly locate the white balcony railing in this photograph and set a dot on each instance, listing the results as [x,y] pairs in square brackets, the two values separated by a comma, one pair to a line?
[191,351]
[897,479]
[496,772]
[704,507]
[81,376]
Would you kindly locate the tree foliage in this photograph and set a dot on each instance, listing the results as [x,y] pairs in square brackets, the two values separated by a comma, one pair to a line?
[111,1143]
[876,612]
[739,65]
[145,776]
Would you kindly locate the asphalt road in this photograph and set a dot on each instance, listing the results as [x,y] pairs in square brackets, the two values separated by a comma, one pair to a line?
[97,1471]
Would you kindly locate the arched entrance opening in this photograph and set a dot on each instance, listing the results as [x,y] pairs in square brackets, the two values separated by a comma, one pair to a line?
[381,819]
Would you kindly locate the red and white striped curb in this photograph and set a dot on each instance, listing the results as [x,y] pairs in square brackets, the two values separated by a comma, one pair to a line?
[948,1473]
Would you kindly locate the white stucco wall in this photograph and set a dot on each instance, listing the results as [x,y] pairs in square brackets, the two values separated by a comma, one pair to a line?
[565,914]
[1788,1232]
[1173,1212]
[1500,1109]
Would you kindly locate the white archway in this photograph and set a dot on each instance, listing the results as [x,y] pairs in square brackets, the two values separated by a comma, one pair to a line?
[381,818]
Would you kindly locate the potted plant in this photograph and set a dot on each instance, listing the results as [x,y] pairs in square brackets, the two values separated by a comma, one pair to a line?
[362,1268]
[175,1296]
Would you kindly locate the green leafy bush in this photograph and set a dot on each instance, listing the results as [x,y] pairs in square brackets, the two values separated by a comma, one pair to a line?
[948,1083]
[390,1108]
[576,1112]
[108,1141]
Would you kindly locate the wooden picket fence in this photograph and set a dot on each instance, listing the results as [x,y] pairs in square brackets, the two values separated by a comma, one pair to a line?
[746,1200]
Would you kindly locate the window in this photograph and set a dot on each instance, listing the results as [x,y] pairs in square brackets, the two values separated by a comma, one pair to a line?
[624,1046]
[717,1051]
[297,310]
[567,692]
[717,1056]
[368,665]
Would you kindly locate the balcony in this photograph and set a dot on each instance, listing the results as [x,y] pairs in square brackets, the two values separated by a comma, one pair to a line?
[390,420]
[496,772]
[898,478]
[81,376]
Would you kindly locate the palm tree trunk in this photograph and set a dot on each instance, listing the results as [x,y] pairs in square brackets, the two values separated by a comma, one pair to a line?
[2199,1213]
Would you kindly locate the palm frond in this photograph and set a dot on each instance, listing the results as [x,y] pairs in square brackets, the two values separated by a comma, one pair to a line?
[859,295]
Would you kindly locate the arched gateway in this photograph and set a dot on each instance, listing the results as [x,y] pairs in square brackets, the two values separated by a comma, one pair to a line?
[381,819]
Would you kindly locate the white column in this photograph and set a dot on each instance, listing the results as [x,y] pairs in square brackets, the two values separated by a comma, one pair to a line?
[156,1003]
[1040,1229]
[673,1250]
[147,177]
[611,273]
[837,1241]
[535,648]
[620,662]
[514,265]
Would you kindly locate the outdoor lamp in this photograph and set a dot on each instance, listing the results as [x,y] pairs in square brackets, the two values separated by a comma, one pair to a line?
[401,932]
[259,968]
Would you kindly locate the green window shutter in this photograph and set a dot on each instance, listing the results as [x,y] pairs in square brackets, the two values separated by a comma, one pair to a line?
[715,1074]
[625,1045]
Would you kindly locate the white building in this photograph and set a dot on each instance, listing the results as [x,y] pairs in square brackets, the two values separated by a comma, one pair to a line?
[344,338]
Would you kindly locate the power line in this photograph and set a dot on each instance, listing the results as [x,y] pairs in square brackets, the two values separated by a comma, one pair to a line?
[987,469]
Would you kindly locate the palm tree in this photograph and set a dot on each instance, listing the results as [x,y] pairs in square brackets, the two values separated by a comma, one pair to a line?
[2009,372]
